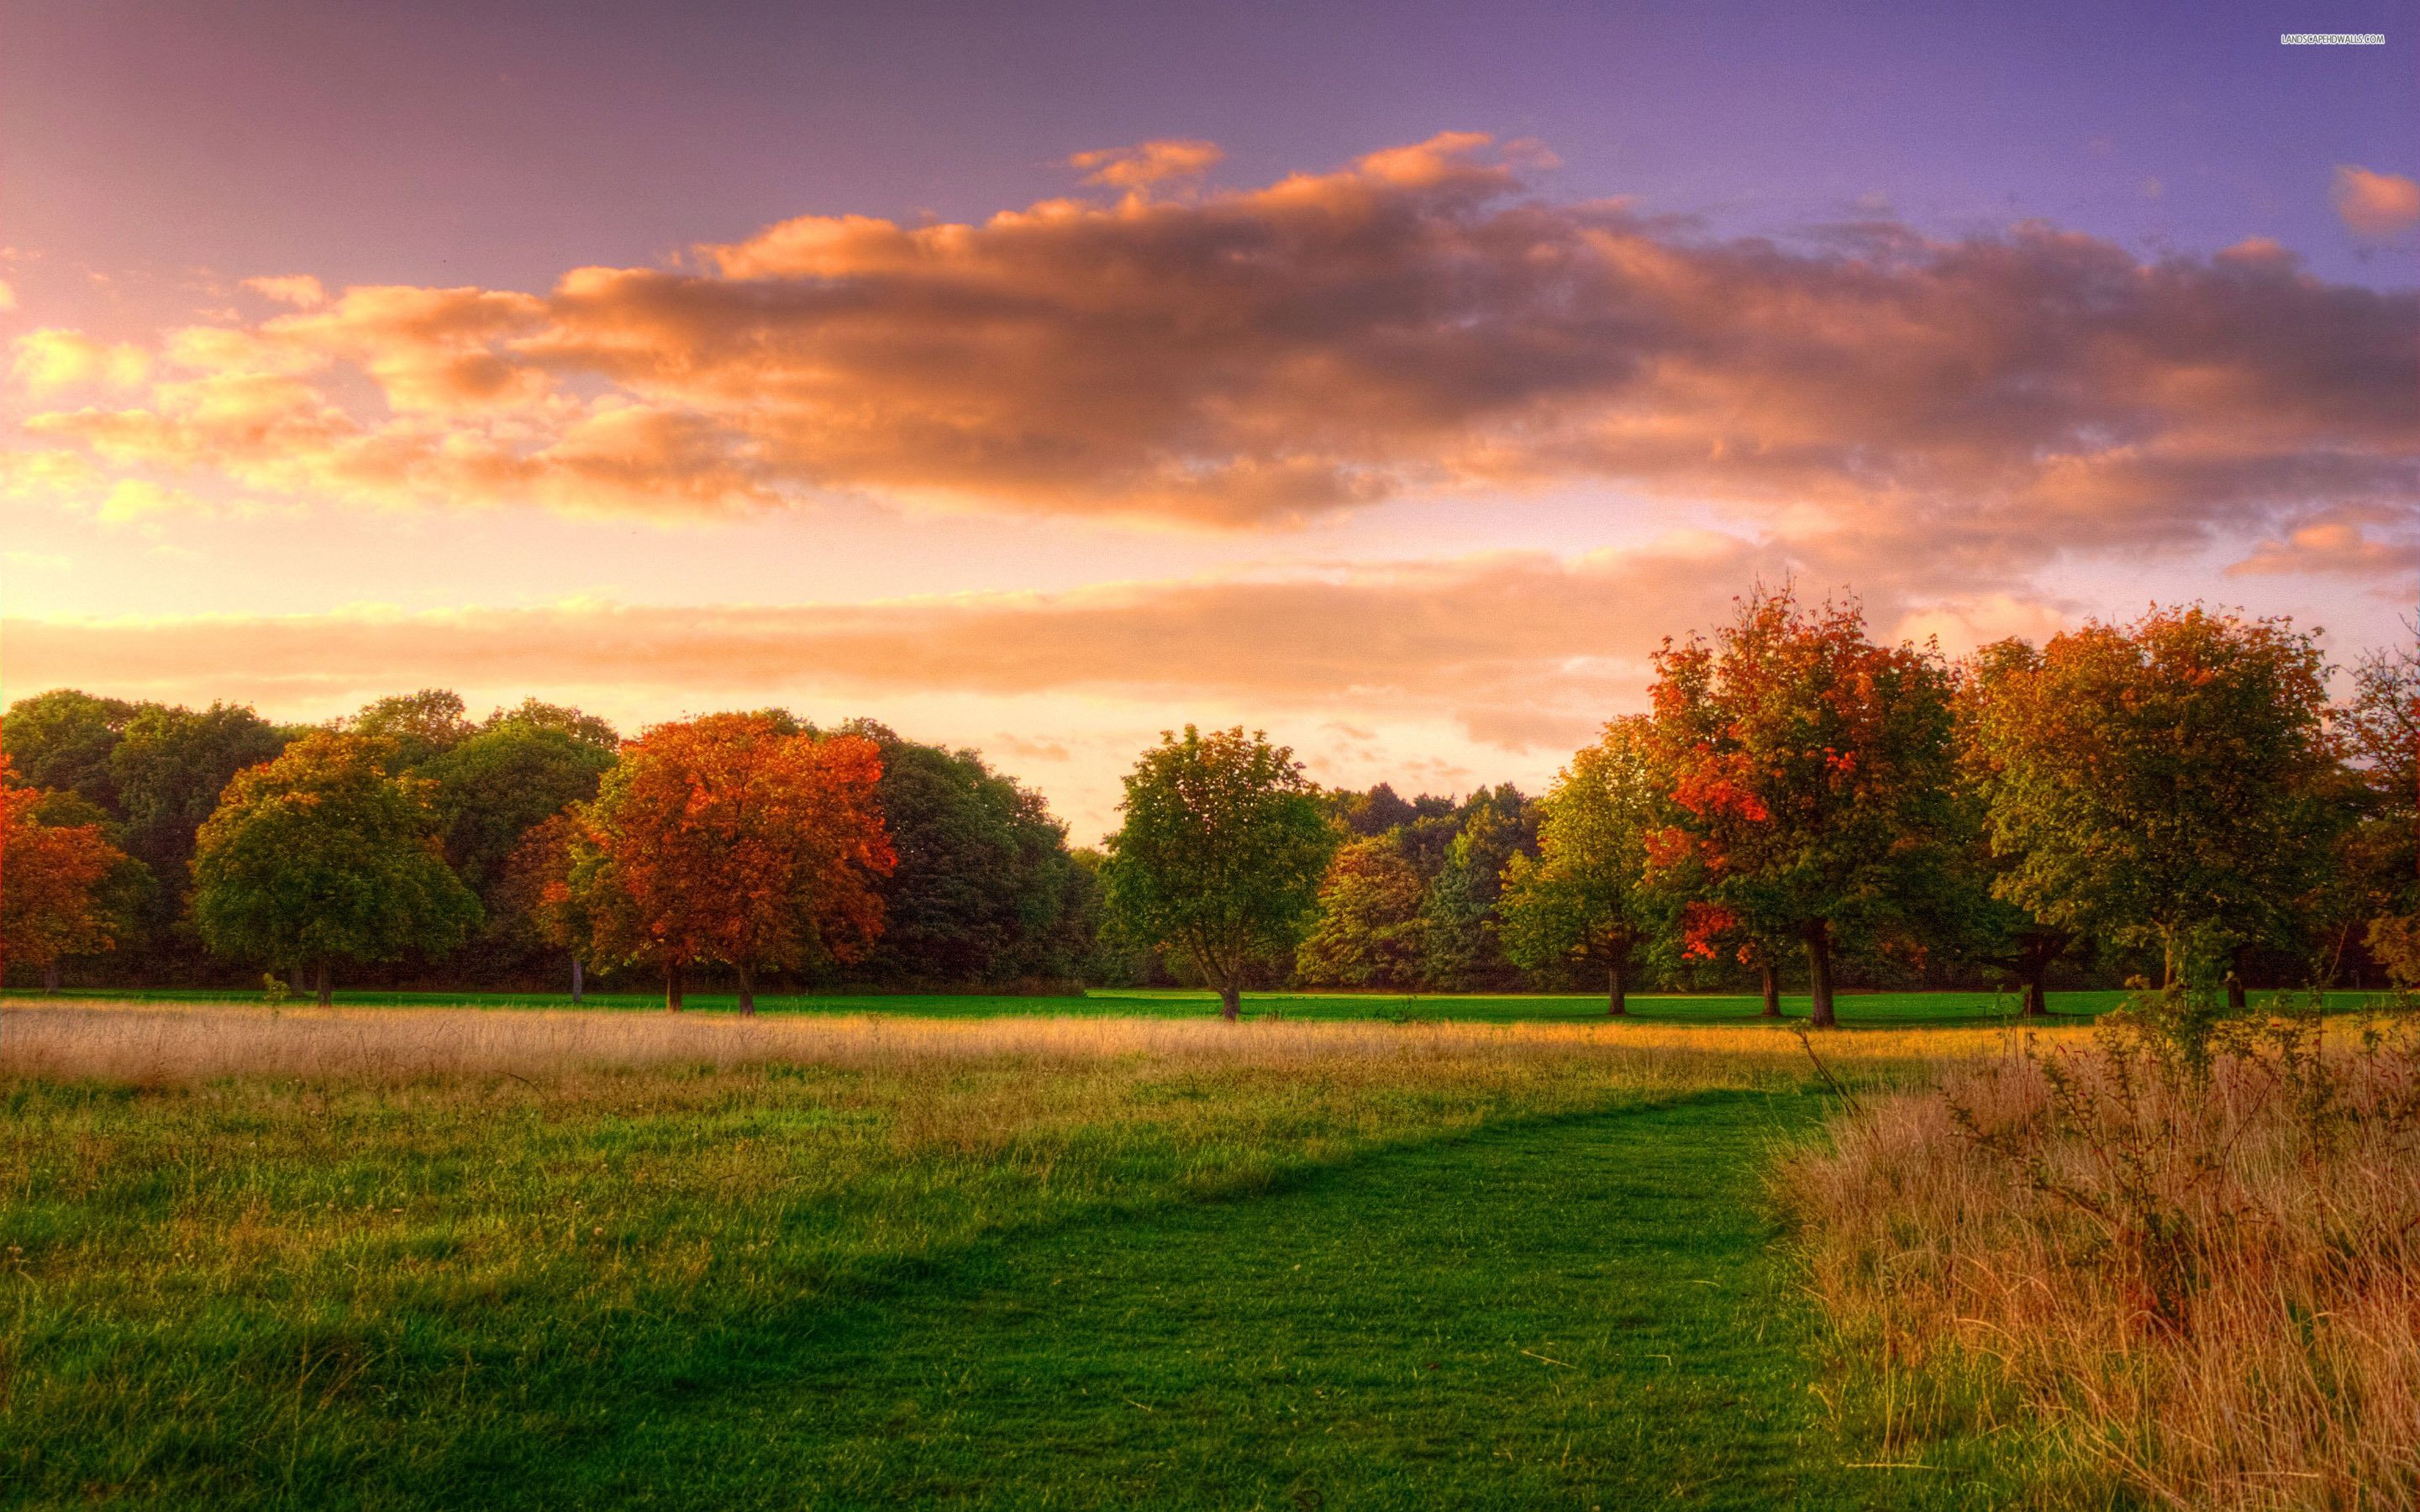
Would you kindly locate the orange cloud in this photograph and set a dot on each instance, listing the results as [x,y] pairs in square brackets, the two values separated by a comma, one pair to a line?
[1147,162]
[299,289]
[1413,322]
[2375,204]
[2332,548]
[1517,642]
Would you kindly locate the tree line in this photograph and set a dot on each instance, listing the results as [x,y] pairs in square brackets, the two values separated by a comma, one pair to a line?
[2174,799]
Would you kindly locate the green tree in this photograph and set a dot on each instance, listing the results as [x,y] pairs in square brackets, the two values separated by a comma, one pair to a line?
[2377,871]
[1586,895]
[494,787]
[2159,783]
[62,740]
[319,857]
[411,728]
[1221,854]
[169,769]
[1811,776]
[1461,930]
[536,714]
[1368,930]
[985,892]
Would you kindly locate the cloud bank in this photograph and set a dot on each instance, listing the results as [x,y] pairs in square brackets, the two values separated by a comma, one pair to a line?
[1517,648]
[1417,321]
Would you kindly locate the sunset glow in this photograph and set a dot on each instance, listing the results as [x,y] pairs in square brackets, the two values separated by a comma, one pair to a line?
[1277,382]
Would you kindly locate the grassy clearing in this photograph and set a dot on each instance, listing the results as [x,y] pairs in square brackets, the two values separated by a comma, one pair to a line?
[2185,1270]
[392,1259]
[1857,1010]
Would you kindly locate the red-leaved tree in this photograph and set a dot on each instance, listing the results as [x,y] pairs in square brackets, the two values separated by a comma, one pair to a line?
[1810,772]
[731,839]
[49,881]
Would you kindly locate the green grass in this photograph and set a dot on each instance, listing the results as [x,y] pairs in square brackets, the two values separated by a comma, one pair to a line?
[1537,1280]
[1895,1010]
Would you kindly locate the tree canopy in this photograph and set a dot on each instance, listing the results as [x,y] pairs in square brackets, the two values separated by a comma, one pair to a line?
[984,892]
[53,876]
[1810,773]
[728,839]
[320,856]
[1587,895]
[1221,855]
[1369,932]
[2157,783]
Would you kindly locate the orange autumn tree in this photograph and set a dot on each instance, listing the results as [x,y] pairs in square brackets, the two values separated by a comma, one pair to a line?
[734,838]
[1810,772]
[51,878]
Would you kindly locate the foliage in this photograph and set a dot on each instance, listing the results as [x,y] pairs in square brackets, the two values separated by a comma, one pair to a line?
[491,788]
[727,839]
[985,892]
[170,768]
[1461,928]
[561,718]
[1370,932]
[1586,895]
[322,856]
[410,728]
[1811,780]
[61,740]
[1221,855]
[2157,784]
[54,898]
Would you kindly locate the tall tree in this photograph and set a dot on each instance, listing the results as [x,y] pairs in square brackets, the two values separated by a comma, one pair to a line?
[169,769]
[536,714]
[2378,859]
[728,839]
[1368,930]
[1461,925]
[1811,776]
[1221,854]
[61,740]
[494,787]
[2158,784]
[1587,894]
[985,892]
[52,882]
[320,856]
[411,728]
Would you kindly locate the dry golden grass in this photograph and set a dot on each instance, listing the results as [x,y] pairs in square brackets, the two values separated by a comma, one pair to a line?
[151,1045]
[2201,1284]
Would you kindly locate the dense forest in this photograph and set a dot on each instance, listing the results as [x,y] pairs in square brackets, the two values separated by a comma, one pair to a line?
[1801,807]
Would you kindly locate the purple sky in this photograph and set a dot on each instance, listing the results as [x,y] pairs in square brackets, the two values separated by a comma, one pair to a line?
[153,155]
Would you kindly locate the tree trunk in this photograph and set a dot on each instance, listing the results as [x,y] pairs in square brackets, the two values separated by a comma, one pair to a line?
[747,992]
[2234,977]
[1819,974]
[320,984]
[578,981]
[1231,1003]
[50,976]
[672,987]
[2036,1000]
[1772,975]
[1616,1000]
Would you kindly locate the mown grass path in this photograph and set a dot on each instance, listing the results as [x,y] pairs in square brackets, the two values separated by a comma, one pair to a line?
[1581,1311]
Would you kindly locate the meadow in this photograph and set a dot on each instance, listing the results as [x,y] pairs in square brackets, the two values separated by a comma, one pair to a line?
[1858,1010]
[393,1256]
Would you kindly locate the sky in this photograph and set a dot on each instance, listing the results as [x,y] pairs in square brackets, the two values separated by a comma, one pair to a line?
[1392,377]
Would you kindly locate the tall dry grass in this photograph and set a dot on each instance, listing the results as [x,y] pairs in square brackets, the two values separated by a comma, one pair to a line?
[2183,1261]
[147,1044]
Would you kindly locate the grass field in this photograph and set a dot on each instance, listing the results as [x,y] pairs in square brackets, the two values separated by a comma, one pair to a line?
[1856,1010]
[623,1259]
